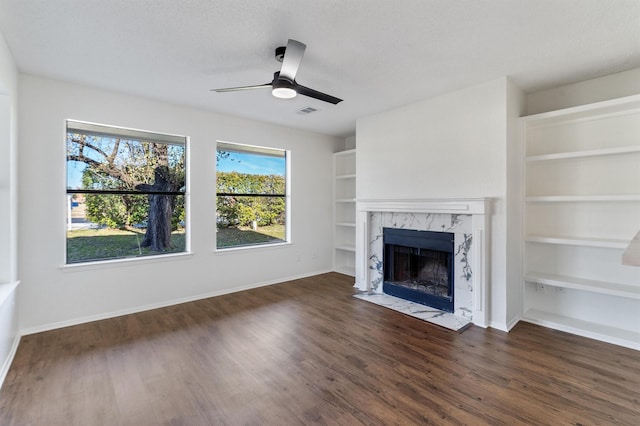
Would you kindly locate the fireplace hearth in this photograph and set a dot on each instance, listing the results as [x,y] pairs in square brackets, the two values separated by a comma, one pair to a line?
[418,266]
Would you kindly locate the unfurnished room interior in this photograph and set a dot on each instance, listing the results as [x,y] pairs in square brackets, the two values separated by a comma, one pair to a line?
[286,212]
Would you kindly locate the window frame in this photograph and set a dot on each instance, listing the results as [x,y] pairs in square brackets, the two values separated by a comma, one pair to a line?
[128,134]
[286,196]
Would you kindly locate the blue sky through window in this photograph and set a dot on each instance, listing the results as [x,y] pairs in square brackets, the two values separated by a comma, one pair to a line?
[249,163]
[74,174]
[75,169]
[236,161]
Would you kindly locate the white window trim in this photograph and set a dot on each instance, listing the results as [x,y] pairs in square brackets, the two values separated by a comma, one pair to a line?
[169,138]
[287,197]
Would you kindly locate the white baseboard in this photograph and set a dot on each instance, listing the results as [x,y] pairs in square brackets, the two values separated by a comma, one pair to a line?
[164,304]
[7,362]
[498,326]
[506,327]
[603,333]
[514,321]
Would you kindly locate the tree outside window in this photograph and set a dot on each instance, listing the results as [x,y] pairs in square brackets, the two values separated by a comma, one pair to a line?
[251,189]
[125,193]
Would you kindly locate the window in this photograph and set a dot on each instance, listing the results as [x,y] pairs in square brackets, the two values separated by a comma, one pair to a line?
[125,193]
[252,195]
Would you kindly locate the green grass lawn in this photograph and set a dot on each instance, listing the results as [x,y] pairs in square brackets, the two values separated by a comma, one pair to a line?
[241,236]
[88,245]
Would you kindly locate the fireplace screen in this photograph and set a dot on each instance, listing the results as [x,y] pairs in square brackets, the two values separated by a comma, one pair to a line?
[421,269]
[418,266]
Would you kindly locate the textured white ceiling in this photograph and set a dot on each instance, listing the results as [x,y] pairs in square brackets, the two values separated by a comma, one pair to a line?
[374,54]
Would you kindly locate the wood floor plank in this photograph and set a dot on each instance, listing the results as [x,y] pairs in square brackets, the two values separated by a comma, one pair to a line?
[307,352]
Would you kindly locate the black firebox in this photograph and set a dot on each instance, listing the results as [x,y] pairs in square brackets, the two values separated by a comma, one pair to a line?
[418,266]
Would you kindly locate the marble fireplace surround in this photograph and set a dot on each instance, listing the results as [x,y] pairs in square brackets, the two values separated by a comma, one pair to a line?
[467,218]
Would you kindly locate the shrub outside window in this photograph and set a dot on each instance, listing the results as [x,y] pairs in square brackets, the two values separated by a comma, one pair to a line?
[251,195]
[125,193]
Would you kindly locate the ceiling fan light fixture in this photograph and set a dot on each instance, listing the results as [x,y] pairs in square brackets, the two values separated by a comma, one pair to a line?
[283,92]
[283,88]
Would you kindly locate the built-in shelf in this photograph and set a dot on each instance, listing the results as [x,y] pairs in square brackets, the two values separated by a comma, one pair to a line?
[582,198]
[581,179]
[583,154]
[631,255]
[604,110]
[592,330]
[347,270]
[594,286]
[346,224]
[584,242]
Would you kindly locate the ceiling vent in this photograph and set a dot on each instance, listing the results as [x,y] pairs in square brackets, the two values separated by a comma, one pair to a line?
[307,110]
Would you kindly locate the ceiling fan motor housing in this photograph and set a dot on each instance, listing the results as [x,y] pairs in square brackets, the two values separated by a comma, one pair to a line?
[282,87]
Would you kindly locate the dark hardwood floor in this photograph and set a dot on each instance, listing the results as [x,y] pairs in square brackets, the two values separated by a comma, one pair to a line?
[306,352]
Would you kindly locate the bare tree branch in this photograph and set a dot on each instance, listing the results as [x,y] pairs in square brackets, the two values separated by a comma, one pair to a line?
[106,168]
[114,152]
[82,142]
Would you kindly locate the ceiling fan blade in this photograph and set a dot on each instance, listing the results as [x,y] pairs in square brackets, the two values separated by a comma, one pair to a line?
[317,95]
[237,89]
[292,58]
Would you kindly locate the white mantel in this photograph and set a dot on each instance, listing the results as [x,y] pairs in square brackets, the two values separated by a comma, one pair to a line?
[420,214]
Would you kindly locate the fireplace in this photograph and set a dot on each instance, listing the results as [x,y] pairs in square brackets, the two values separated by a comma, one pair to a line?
[418,266]
[467,218]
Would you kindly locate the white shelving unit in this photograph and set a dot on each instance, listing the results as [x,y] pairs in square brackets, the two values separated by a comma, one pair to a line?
[344,212]
[580,242]
[595,286]
[582,210]
[572,198]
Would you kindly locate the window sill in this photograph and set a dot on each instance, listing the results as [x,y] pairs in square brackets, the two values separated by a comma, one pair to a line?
[6,289]
[129,261]
[258,247]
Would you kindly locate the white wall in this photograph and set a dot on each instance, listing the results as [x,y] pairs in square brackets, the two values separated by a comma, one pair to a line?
[611,86]
[8,163]
[454,145]
[515,181]
[350,142]
[53,296]
[7,146]
[8,208]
